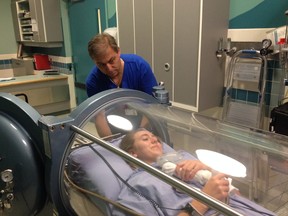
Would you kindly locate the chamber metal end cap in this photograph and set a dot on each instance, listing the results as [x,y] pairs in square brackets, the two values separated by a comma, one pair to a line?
[162,96]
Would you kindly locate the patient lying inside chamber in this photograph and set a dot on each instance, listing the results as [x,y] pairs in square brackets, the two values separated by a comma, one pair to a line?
[167,201]
[148,195]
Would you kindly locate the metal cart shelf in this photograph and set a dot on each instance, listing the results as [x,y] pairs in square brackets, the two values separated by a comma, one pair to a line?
[244,98]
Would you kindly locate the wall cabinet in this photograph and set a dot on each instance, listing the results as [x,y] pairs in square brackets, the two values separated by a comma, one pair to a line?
[37,22]
[179,39]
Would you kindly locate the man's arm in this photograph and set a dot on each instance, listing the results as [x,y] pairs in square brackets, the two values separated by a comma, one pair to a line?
[102,126]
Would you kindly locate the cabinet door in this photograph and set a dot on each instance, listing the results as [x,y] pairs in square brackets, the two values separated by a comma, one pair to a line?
[36,20]
[146,28]
[125,24]
[214,25]
[82,34]
[46,20]
[143,30]
[185,34]
[163,43]
[186,66]
[135,28]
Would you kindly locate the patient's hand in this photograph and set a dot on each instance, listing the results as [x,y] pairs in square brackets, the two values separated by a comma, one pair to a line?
[217,187]
[187,169]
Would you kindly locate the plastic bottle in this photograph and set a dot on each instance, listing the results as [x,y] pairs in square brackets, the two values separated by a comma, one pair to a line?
[283,52]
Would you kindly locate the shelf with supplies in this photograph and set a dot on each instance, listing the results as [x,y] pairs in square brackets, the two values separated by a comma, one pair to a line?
[34,25]
[24,20]
[26,28]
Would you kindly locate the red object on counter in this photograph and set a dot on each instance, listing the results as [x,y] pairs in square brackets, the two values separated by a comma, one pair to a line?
[41,62]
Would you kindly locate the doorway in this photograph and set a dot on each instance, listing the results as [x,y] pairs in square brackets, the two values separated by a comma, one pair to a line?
[87,18]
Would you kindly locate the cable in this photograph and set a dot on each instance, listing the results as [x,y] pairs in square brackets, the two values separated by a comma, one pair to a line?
[152,202]
[100,197]
[201,125]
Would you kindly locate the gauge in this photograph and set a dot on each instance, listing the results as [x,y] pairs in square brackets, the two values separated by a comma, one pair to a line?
[7,175]
[266,43]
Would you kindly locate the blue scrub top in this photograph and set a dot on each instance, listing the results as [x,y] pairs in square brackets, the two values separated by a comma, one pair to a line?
[137,75]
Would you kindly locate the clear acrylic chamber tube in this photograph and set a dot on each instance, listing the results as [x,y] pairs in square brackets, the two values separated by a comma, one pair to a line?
[264,154]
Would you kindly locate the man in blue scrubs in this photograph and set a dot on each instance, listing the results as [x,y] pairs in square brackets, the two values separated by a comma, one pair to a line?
[115,70]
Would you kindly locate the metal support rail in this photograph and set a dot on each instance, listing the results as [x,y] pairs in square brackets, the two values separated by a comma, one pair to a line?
[193,192]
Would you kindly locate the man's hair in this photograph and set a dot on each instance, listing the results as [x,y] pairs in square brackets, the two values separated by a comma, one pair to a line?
[98,45]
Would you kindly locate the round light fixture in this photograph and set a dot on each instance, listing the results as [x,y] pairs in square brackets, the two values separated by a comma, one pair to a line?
[221,163]
[120,122]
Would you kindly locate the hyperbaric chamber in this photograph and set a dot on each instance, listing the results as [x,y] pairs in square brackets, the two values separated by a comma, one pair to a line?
[35,150]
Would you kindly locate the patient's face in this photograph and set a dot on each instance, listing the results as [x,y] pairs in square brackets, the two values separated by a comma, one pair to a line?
[147,147]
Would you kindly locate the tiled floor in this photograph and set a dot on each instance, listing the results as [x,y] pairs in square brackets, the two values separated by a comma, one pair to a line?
[277,200]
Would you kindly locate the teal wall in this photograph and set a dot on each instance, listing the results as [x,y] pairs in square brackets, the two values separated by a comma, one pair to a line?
[257,13]
[66,28]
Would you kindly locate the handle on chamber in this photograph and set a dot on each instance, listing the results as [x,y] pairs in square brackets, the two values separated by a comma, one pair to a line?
[249,51]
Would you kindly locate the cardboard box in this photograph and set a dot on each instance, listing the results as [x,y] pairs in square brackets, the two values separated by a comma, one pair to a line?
[22,67]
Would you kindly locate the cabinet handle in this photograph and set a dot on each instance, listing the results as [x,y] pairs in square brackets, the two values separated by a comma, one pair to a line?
[24,95]
[167,67]
[99,21]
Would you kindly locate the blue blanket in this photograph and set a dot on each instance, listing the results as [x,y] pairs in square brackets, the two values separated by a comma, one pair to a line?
[152,196]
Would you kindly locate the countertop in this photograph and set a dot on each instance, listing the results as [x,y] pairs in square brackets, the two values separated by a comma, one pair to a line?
[29,79]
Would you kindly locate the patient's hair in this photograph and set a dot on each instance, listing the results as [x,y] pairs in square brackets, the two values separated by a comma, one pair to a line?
[98,45]
[128,141]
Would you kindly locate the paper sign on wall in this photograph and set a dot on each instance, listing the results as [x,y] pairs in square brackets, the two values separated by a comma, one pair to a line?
[34,25]
[247,72]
